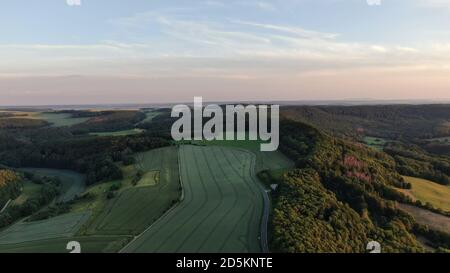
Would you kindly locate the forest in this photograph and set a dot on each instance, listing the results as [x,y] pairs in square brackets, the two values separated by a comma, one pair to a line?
[393,122]
[359,185]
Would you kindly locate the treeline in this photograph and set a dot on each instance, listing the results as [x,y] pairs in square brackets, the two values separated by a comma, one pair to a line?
[308,218]
[386,121]
[98,121]
[92,156]
[9,186]
[21,123]
[82,113]
[107,121]
[437,148]
[413,161]
[160,125]
[361,179]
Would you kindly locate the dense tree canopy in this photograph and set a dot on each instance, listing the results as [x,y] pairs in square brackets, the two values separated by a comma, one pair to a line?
[341,196]
[9,186]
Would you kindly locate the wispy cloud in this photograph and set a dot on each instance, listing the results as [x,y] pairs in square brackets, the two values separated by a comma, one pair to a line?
[264,6]
[297,31]
[434,3]
[200,43]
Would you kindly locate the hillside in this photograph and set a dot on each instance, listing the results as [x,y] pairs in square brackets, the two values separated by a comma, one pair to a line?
[358,186]
[388,121]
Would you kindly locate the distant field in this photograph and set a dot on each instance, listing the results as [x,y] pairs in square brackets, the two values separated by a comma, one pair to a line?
[136,207]
[428,191]
[63,226]
[19,114]
[221,210]
[150,115]
[73,183]
[20,123]
[60,119]
[375,142]
[54,119]
[264,160]
[118,133]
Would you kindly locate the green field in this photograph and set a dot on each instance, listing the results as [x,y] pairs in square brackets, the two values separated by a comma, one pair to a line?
[428,191]
[221,210]
[118,133]
[63,226]
[55,119]
[88,245]
[264,160]
[60,119]
[149,179]
[375,142]
[136,207]
[98,223]
[150,115]
[27,236]
[73,183]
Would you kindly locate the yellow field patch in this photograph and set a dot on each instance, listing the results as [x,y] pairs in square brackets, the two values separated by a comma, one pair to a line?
[149,179]
[18,114]
[428,191]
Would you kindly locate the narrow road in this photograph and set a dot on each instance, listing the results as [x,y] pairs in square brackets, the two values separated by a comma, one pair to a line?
[5,206]
[265,220]
[266,210]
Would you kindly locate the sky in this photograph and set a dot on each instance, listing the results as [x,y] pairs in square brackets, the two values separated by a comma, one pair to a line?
[157,51]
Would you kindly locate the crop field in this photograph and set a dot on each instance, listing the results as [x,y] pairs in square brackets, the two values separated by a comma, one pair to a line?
[90,244]
[264,160]
[60,119]
[63,226]
[73,183]
[54,119]
[149,179]
[19,114]
[375,142]
[21,123]
[118,133]
[428,191]
[221,210]
[136,207]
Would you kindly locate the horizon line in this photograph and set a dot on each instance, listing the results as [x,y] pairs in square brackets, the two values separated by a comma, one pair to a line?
[300,102]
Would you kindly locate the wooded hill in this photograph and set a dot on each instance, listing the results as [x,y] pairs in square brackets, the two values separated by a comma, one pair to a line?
[387,121]
[340,197]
